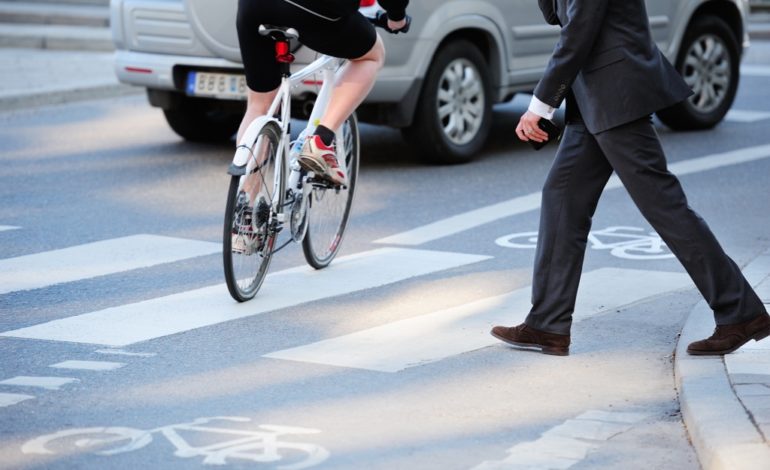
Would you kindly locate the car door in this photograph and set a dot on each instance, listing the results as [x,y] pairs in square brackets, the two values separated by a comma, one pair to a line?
[530,39]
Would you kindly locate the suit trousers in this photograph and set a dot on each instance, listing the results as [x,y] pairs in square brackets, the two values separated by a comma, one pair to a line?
[583,164]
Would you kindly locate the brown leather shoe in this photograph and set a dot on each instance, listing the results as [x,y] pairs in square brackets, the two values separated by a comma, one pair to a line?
[525,336]
[728,338]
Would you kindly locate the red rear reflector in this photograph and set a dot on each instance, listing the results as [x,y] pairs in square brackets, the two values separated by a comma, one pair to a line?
[367,3]
[281,48]
[138,70]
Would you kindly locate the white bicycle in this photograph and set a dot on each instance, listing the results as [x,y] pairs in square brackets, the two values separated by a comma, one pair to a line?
[283,194]
[261,446]
[268,188]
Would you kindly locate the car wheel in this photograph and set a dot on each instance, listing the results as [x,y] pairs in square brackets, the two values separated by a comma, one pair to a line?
[709,62]
[454,111]
[196,122]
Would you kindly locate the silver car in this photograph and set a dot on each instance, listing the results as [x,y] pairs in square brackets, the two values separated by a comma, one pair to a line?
[439,82]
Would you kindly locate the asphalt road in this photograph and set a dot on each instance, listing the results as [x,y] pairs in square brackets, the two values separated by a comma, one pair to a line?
[109,235]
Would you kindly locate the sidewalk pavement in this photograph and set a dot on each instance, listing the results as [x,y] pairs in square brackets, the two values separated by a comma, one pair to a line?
[33,77]
[725,401]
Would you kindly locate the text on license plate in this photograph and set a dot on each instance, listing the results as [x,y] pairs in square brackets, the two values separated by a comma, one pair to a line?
[220,85]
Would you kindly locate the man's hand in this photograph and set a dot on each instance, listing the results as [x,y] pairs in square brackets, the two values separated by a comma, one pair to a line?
[529,130]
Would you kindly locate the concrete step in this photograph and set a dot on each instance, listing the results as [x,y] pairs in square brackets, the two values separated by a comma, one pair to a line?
[81,38]
[759,25]
[54,13]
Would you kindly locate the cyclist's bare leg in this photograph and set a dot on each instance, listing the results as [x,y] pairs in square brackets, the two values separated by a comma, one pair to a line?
[353,85]
[257,104]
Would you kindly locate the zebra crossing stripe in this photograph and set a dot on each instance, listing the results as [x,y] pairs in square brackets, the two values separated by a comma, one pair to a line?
[4,228]
[746,116]
[8,399]
[48,383]
[88,365]
[756,70]
[97,259]
[438,335]
[129,324]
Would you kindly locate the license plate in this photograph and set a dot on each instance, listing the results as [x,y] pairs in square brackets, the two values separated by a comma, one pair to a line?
[217,85]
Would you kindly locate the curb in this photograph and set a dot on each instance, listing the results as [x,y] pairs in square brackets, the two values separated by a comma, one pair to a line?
[78,38]
[720,427]
[66,95]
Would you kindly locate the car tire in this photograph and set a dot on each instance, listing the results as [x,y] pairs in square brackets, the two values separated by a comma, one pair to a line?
[196,122]
[709,61]
[454,113]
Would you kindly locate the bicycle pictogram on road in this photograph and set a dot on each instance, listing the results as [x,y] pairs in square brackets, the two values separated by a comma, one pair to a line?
[260,446]
[623,242]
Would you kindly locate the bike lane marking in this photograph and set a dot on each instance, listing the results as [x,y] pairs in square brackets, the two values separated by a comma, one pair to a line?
[531,202]
[177,313]
[568,443]
[4,228]
[438,335]
[8,399]
[623,242]
[97,259]
[260,445]
[48,383]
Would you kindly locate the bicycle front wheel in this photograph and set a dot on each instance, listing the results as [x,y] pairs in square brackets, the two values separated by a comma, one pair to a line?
[329,207]
[251,225]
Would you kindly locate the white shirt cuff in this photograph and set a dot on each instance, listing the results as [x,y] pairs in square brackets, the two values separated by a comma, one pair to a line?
[541,109]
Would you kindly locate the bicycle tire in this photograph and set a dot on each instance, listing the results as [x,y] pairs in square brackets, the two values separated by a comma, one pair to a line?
[329,208]
[246,264]
[97,440]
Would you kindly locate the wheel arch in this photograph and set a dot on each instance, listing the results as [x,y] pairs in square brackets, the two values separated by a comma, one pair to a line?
[476,28]
[726,10]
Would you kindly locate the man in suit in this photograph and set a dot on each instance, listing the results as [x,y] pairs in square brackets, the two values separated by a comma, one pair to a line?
[613,78]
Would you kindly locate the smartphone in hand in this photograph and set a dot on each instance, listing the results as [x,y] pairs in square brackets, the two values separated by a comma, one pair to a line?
[550,128]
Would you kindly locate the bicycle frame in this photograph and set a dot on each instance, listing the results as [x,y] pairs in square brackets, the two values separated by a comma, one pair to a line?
[328,66]
[244,160]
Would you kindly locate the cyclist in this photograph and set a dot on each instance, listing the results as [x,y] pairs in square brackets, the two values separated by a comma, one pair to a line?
[332,27]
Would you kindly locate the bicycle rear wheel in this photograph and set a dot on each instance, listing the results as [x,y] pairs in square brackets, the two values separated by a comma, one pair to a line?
[329,207]
[251,225]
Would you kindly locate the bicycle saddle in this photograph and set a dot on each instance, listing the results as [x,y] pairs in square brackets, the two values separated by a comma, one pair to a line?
[278,33]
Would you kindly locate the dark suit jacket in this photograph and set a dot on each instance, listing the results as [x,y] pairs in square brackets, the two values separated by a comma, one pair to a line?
[607,57]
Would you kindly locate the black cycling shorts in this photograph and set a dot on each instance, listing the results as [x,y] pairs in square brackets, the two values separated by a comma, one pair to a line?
[343,33]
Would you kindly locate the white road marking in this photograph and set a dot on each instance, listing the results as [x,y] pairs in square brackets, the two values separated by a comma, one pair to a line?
[263,444]
[756,70]
[746,116]
[128,324]
[97,259]
[4,228]
[624,242]
[48,383]
[567,444]
[432,337]
[530,202]
[8,399]
[88,365]
[121,352]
